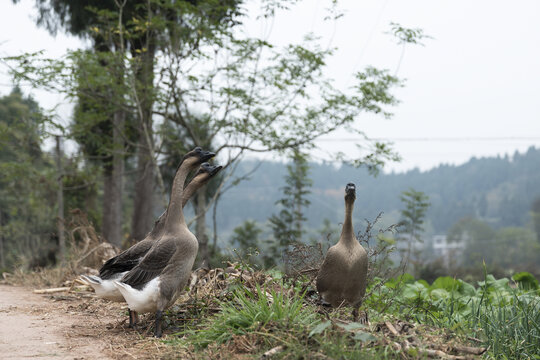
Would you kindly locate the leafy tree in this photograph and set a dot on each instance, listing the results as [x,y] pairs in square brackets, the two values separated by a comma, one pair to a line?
[245,239]
[471,228]
[506,250]
[287,224]
[412,222]
[132,31]
[249,95]
[326,234]
[26,199]
[477,235]
[246,236]
[28,183]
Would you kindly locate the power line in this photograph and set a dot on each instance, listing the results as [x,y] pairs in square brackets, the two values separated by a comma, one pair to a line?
[439,139]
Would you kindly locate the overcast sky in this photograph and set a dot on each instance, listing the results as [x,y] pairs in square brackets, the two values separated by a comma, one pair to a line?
[472,90]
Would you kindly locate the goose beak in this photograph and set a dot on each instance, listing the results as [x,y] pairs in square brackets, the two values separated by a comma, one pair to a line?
[207,155]
[215,170]
[209,169]
[350,188]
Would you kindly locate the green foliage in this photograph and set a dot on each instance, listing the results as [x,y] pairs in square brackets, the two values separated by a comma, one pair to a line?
[526,281]
[472,228]
[251,312]
[505,250]
[247,94]
[246,243]
[412,217]
[26,182]
[505,318]
[246,236]
[287,225]
[412,223]
[99,76]
[408,35]
[81,188]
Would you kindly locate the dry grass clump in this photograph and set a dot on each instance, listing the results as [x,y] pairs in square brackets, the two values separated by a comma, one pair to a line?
[87,251]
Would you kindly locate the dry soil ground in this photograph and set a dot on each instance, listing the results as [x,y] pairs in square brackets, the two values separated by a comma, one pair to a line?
[68,326]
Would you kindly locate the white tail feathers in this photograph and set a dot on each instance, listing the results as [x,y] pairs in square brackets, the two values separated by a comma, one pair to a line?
[142,301]
[104,288]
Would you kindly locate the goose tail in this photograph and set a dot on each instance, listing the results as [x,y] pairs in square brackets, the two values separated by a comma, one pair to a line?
[103,288]
[126,290]
[143,300]
[92,280]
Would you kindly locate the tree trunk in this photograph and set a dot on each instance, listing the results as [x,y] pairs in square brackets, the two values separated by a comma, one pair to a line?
[200,228]
[144,194]
[113,183]
[213,250]
[145,183]
[60,200]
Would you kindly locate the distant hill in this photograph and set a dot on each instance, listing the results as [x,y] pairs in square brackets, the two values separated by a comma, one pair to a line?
[498,190]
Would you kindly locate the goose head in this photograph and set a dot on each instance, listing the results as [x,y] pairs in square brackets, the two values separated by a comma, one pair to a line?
[196,157]
[350,192]
[209,170]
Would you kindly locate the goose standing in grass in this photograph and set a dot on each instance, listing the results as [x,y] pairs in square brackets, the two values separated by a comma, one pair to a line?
[118,266]
[157,280]
[342,278]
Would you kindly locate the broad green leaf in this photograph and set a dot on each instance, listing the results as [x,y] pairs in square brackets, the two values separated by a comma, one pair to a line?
[526,281]
[320,328]
[445,282]
[439,294]
[352,326]
[364,336]
[466,288]
[414,291]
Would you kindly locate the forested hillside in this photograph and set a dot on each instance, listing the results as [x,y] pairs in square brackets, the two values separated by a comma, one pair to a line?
[497,190]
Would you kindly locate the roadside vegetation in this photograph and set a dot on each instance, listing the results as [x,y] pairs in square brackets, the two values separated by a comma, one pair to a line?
[241,313]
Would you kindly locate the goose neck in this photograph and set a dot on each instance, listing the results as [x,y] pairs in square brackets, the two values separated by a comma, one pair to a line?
[347,232]
[175,214]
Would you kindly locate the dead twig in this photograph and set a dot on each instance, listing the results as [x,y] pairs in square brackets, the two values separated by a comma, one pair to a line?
[273,352]
[51,290]
[469,349]
[391,328]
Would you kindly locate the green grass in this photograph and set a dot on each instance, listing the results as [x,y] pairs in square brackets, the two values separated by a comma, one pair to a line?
[276,318]
[512,331]
[504,315]
[249,313]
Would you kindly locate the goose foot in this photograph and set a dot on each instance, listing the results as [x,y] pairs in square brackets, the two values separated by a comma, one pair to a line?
[157,331]
[133,319]
[363,317]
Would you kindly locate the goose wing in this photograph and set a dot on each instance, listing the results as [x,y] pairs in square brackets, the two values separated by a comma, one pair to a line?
[327,273]
[151,265]
[126,260]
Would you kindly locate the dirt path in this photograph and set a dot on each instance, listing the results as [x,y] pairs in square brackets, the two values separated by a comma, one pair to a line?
[33,326]
[70,326]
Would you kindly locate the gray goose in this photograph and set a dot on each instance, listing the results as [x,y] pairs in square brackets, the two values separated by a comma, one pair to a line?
[157,280]
[342,278]
[119,265]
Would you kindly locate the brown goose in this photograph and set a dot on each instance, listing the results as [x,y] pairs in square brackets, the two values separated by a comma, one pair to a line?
[158,279]
[342,278]
[119,265]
